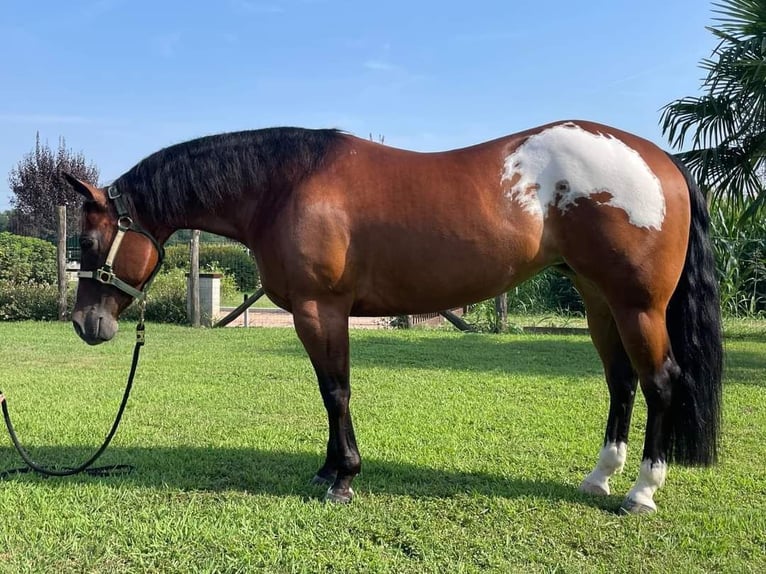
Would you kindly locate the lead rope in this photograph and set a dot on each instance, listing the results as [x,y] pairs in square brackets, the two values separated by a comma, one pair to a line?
[32,466]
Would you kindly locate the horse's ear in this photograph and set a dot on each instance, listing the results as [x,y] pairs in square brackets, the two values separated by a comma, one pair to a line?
[84,188]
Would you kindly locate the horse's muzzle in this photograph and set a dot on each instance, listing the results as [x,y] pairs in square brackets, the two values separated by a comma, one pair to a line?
[94,326]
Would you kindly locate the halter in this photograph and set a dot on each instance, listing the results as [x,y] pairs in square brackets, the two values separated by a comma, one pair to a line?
[103,274]
[125,223]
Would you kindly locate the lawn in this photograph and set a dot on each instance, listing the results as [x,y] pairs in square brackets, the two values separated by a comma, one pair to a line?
[233,299]
[473,447]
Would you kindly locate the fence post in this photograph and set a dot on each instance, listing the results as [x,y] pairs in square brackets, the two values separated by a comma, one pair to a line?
[501,313]
[61,261]
[194,306]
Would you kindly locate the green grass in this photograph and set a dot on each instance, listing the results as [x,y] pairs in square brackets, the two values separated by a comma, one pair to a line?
[235,298]
[473,449]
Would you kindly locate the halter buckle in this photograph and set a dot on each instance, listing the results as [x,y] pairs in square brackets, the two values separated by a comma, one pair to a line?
[105,276]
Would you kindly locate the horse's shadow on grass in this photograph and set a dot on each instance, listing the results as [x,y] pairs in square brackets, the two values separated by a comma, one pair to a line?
[474,353]
[746,367]
[256,471]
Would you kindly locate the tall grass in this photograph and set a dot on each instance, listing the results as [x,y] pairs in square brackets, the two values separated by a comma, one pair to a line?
[740,251]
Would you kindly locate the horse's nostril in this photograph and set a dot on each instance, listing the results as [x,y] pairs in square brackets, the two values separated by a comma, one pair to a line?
[77,328]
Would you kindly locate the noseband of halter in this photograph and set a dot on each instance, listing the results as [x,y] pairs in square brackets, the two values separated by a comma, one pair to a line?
[125,223]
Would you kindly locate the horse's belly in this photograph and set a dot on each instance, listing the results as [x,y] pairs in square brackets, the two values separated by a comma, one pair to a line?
[430,282]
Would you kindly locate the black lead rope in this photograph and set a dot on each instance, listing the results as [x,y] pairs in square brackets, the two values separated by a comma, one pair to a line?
[32,466]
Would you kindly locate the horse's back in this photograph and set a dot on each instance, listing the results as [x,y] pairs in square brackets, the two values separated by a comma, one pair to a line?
[426,231]
[402,231]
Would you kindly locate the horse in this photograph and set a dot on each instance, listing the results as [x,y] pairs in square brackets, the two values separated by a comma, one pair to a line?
[341,226]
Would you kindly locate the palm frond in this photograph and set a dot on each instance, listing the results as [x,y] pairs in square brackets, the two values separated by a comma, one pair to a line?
[726,125]
[712,117]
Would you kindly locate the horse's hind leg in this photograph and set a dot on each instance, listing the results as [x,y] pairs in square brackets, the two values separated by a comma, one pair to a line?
[645,336]
[621,380]
[323,330]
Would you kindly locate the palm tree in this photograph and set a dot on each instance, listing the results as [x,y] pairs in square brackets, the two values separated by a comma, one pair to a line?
[727,123]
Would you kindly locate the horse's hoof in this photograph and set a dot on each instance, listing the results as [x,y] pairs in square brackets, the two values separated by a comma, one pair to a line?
[339,497]
[321,480]
[594,489]
[630,506]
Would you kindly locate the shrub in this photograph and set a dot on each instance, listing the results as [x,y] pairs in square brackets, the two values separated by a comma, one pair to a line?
[176,257]
[26,260]
[229,287]
[548,292]
[30,301]
[231,259]
[166,302]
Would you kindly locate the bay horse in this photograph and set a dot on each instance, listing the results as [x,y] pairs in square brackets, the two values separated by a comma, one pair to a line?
[342,226]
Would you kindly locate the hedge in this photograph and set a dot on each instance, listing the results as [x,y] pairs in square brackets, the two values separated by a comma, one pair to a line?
[231,259]
[25,260]
[30,301]
[166,300]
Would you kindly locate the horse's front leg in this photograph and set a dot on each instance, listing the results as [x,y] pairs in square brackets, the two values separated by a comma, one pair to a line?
[323,329]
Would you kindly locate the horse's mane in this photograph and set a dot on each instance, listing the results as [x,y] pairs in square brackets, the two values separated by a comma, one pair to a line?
[206,172]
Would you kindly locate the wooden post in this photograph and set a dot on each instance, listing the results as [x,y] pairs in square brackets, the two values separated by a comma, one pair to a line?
[194,319]
[61,261]
[242,307]
[458,322]
[501,313]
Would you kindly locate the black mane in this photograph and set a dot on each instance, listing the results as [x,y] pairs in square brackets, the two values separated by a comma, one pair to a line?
[208,171]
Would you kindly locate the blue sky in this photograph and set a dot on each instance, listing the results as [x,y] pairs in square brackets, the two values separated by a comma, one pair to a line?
[120,79]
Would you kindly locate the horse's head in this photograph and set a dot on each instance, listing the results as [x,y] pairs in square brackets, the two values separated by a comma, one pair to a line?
[119,260]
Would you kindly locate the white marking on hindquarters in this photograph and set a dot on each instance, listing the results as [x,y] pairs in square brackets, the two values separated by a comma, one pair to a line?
[611,461]
[650,478]
[565,162]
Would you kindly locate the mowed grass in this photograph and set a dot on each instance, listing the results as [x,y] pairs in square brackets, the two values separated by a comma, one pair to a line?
[237,297]
[473,449]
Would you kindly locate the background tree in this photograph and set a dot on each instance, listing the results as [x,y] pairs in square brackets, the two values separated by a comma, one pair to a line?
[5,217]
[728,121]
[37,188]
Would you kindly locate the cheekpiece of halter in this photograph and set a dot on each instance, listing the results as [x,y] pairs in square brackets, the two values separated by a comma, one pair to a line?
[125,223]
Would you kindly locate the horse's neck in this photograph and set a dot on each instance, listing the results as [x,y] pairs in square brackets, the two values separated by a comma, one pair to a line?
[227,222]
[232,217]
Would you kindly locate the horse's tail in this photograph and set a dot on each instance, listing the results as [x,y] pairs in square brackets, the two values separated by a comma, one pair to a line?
[694,326]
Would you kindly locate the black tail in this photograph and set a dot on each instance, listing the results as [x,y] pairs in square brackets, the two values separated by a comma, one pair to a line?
[694,325]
